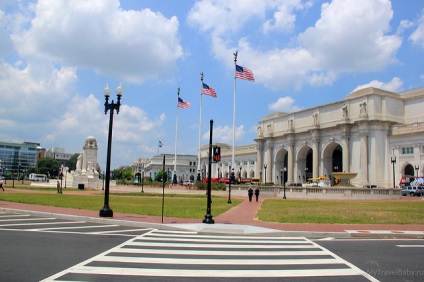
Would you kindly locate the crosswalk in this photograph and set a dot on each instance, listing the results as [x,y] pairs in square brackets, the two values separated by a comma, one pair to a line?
[32,223]
[161,255]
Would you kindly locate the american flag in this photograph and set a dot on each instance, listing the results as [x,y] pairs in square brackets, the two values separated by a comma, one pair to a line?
[160,144]
[208,90]
[244,73]
[183,104]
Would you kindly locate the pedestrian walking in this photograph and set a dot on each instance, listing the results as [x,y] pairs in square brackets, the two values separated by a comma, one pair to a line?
[250,193]
[257,194]
[1,184]
[59,188]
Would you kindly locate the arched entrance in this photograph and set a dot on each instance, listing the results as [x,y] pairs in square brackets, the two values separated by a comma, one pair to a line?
[305,164]
[281,162]
[409,170]
[332,159]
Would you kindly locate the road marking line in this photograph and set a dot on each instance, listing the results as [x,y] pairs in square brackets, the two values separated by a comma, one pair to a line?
[215,253]
[118,231]
[14,215]
[42,223]
[410,246]
[220,261]
[258,241]
[213,273]
[73,227]
[27,219]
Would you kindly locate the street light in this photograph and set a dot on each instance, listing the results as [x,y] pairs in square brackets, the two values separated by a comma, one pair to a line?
[306,174]
[417,167]
[240,172]
[61,175]
[265,166]
[106,211]
[393,161]
[229,184]
[284,182]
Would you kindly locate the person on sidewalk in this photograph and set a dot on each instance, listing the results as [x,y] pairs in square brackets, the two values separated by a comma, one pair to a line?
[257,193]
[1,184]
[59,188]
[250,193]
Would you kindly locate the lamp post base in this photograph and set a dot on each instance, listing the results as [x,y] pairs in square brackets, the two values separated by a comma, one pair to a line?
[106,212]
[208,219]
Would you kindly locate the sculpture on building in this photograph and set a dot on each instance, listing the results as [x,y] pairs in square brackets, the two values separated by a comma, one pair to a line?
[345,111]
[316,118]
[363,109]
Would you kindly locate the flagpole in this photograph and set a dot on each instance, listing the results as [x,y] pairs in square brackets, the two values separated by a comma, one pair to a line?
[200,128]
[234,112]
[176,141]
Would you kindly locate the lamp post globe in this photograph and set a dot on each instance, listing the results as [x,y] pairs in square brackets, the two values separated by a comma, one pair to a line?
[106,211]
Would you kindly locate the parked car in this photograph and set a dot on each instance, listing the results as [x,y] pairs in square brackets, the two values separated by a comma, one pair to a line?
[369,186]
[412,191]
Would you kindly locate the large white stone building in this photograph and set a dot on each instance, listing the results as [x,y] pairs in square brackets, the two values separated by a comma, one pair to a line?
[364,133]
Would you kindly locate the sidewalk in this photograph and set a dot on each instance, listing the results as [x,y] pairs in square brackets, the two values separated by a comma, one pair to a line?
[239,219]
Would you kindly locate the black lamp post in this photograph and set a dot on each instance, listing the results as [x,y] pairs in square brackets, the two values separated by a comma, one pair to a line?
[142,181]
[306,174]
[417,167]
[393,161]
[229,185]
[240,173]
[265,166]
[260,176]
[284,182]
[61,175]
[106,211]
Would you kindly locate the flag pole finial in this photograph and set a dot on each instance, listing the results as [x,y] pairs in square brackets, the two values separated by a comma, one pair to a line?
[235,56]
[178,92]
[201,76]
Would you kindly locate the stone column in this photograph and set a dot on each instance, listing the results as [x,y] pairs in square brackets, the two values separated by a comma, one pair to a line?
[259,161]
[315,157]
[290,162]
[345,148]
[364,157]
[268,162]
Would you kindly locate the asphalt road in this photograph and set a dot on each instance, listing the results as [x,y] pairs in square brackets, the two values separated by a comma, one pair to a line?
[33,256]
[387,260]
[34,248]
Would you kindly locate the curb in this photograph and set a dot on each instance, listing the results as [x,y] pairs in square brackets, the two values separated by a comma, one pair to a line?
[221,228]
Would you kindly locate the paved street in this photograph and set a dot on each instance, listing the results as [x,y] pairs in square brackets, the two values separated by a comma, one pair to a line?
[187,256]
[56,249]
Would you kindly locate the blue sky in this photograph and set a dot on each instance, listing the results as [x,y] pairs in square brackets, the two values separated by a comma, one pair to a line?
[57,56]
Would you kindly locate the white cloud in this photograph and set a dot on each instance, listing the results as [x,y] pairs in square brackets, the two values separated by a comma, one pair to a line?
[284,17]
[224,134]
[131,45]
[285,105]
[393,85]
[417,37]
[350,36]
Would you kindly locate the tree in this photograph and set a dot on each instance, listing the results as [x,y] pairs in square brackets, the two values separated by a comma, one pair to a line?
[72,162]
[161,174]
[48,166]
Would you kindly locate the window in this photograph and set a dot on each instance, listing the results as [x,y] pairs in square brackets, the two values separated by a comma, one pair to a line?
[252,162]
[407,150]
[244,162]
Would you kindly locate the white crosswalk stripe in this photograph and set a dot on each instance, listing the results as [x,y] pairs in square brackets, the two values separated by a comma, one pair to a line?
[161,255]
[32,223]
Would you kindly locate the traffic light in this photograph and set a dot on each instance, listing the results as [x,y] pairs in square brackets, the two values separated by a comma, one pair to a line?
[217,154]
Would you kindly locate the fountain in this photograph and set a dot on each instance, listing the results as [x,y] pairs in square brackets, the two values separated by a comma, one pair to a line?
[344,178]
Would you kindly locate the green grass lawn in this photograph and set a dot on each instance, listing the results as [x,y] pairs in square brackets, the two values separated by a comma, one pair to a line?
[182,206]
[344,212]
[272,210]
